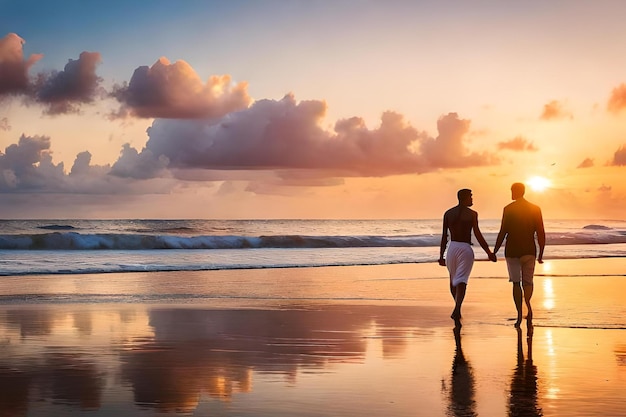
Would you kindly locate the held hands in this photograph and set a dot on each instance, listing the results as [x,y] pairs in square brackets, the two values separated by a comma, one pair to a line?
[492,257]
[442,262]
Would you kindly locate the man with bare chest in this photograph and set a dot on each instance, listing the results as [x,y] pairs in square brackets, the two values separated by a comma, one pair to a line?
[460,221]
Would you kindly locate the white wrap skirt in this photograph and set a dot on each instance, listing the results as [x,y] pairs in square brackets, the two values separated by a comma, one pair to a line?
[459,260]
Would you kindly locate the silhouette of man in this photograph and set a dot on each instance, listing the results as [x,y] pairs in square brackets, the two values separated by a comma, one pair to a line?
[461,220]
[462,384]
[521,222]
[523,399]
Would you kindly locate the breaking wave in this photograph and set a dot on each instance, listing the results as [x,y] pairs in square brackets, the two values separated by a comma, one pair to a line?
[73,240]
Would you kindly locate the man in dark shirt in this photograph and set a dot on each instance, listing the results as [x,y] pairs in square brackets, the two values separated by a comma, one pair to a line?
[521,221]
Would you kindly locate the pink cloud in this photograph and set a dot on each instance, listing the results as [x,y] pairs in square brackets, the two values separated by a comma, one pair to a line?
[278,143]
[60,91]
[13,68]
[286,135]
[448,149]
[175,91]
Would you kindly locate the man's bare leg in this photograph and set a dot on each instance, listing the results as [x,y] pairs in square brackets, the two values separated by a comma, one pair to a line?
[528,294]
[458,300]
[517,298]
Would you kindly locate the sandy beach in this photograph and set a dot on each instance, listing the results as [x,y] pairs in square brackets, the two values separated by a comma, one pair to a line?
[330,341]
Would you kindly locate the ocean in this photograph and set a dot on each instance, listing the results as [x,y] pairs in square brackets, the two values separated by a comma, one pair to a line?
[81,336]
[35,247]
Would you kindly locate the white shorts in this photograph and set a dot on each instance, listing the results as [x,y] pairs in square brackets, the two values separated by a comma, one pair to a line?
[459,260]
[521,269]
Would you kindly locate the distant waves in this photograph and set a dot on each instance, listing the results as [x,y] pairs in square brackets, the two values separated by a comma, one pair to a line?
[78,241]
[74,240]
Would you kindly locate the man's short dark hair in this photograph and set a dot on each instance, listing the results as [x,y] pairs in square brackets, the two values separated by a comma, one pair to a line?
[519,187]
[463,194]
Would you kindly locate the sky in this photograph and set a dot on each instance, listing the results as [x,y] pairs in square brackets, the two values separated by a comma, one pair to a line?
[310,109]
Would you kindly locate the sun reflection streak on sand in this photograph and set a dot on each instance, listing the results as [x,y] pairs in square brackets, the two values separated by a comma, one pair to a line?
[548,294]
[552,391]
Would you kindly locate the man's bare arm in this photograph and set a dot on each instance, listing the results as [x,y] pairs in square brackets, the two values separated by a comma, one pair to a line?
[481,239]
[444,241]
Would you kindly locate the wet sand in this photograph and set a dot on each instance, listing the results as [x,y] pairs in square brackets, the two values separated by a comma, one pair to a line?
[339,341]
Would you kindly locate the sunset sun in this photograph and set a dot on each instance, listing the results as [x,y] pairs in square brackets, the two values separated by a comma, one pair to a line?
[538,184]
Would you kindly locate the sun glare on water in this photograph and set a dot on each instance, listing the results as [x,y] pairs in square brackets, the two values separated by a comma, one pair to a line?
[538,184]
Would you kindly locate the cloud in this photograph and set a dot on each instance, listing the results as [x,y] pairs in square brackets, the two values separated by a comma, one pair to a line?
[28,165]
[78,83]
[275,143]
[605,188]
[307,178]
[518,144]
[619,158]
[555,110]
[60,91]
[448,150]
[133,164]
[174,91]
[617,100]
[586,163]
[4,124]
[13,68]
[284,134]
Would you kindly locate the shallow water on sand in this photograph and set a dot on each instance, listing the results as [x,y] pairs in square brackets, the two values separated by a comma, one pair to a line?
[333,360]
[373,341]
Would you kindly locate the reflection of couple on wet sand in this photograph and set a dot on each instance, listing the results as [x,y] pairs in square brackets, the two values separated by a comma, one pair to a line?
[461,396]
[523,396]
[523,392]
[521,221]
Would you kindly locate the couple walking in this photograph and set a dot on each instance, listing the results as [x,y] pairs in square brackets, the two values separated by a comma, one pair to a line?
[521,221]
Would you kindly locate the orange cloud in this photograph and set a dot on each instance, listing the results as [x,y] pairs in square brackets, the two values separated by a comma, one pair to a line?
[586,163]
[617,101]
[175,91]
[554,110]
[518,144]
[619,158]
